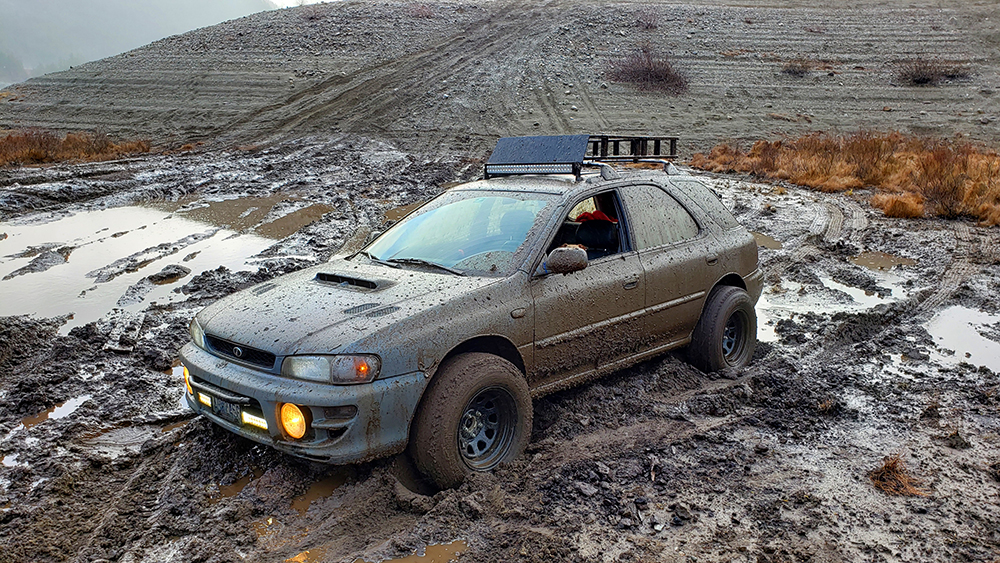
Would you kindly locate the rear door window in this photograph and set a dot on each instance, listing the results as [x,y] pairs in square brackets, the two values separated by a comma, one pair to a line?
[657,218]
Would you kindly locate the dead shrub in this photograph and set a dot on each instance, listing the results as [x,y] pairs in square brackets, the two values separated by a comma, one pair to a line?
[930,72]
[421,11]
[894,479]
[37,146]
[648,70]
[797,67]
[903,206]
[647,19]
[912,176]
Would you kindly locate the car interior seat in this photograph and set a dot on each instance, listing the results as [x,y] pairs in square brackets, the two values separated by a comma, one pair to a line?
[599,236]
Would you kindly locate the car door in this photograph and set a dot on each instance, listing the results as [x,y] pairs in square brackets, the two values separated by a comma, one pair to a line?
[678,258]
[590,318]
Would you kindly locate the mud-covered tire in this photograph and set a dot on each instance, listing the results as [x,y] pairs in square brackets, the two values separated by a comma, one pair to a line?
[726,333]
[475,415]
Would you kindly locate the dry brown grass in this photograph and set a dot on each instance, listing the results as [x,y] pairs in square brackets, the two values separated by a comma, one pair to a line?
[893,478]
[37,146]
[648,70]
[912,176]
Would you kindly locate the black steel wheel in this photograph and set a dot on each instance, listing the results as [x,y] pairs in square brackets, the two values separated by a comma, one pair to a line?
[487,428]
[475,415]
[726,333]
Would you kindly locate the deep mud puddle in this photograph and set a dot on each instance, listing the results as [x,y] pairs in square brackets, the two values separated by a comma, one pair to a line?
[91,262]
[963,331]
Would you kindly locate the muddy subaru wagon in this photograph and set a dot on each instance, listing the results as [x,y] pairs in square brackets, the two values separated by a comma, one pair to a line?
[554,269]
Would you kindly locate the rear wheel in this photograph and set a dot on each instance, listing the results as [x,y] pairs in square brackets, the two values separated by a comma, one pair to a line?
[475,415]
[726,333]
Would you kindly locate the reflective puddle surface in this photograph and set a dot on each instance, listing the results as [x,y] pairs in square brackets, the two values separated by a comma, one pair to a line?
[881,261]
[91,262]
[766,241]
[963,330]
[235,488]
[319,489]
[443,553]
[61,410]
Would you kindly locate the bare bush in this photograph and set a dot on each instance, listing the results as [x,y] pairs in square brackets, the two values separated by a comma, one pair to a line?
[647,19]
[648,70]
[797,67]
[930,72]
[421,11]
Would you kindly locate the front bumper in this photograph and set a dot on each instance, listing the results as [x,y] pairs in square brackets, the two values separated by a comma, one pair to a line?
[379,427]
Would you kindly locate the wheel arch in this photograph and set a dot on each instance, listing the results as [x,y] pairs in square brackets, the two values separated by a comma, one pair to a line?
[488,344]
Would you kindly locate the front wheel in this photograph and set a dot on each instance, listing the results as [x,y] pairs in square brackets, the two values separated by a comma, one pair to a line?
[475,415]
[726,333]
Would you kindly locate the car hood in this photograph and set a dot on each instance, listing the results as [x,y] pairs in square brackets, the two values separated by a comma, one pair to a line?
[325,308]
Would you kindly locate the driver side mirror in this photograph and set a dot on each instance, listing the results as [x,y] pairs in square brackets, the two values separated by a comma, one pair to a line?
[566,260]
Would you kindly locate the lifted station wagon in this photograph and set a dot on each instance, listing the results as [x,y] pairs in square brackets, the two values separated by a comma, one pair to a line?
[552,270]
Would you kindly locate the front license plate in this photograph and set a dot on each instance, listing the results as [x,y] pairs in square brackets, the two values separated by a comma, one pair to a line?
[226,410]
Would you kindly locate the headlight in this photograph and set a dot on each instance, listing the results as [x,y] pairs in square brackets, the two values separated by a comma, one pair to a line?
[197,335]
[332,369]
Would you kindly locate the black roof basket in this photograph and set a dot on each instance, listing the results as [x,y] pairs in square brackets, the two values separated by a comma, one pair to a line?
[618,148]
[567,154]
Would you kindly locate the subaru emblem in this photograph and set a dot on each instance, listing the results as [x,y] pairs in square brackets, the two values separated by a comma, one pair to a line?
[237,351]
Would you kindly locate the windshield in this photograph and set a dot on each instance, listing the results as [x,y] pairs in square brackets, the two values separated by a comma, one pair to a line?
[466,231]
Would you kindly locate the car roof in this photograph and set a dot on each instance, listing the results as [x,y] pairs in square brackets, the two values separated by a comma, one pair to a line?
[559,184]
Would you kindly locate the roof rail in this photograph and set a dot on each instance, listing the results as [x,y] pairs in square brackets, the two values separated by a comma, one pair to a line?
[622,148]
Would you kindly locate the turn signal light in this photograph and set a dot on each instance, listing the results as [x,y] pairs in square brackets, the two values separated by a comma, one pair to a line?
[293,420]
[187,381]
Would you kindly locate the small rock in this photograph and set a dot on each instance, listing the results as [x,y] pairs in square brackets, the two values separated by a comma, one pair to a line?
[984,120]
[169,274]
[574,108]
[604,85]
[586,489]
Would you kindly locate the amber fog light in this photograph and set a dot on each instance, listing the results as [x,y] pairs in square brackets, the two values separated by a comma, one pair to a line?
[293,420]
[187,381]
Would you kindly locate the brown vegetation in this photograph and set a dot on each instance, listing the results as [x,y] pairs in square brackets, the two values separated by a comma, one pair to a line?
[648,70]
[894,479]
[929,72]
[912,176]
[37,146]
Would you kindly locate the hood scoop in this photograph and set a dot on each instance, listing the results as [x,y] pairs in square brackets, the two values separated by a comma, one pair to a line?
[338,279]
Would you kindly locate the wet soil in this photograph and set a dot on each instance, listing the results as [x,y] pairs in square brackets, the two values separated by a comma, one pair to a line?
[102,462]
[878,336]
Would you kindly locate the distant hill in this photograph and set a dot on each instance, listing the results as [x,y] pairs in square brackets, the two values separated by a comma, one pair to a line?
[41,36]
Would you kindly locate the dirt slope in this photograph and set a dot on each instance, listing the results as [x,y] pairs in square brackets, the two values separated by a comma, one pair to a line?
[446,77]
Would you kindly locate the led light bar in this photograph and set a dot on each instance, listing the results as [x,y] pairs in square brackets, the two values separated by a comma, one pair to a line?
[253,420]
[205,399]
[511,169]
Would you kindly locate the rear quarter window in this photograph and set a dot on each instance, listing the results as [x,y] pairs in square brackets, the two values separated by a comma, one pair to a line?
[707,200]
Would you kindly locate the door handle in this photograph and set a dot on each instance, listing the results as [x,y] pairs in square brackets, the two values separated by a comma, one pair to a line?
[712,259]
[631,284]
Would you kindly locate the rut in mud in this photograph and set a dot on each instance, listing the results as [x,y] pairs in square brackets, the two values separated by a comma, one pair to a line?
[863,355]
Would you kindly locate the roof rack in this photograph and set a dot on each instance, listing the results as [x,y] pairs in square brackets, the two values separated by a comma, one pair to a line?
[567,154]
[617,148]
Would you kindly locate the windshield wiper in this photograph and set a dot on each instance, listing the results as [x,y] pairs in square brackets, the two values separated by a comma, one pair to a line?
[377,260]
[422,262]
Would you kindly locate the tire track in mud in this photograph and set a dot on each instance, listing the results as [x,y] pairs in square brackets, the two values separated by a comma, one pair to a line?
[372,97]
[960,270]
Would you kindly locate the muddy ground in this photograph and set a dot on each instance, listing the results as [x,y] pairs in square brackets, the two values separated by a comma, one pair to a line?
[101,462]
[661,462]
